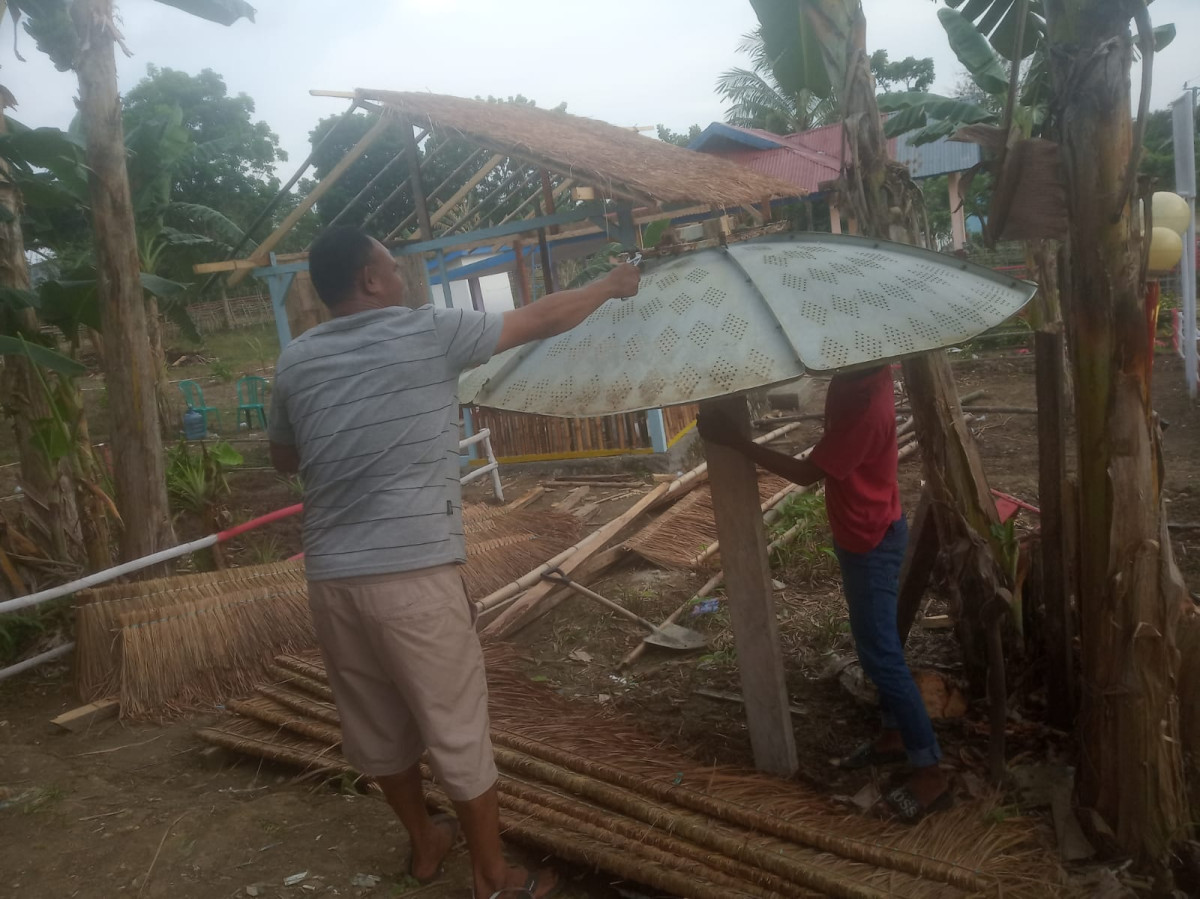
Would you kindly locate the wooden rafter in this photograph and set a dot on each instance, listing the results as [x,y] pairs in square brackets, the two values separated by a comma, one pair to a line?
[391,164]
[260,255]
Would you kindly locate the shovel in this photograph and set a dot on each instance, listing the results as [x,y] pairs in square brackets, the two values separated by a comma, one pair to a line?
[669,636]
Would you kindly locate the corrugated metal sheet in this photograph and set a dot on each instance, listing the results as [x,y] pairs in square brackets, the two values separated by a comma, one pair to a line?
[811,157]
[803,169]
[941,157]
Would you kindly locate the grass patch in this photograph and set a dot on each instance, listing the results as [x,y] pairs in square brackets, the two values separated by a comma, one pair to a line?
[808,559]
[246,351]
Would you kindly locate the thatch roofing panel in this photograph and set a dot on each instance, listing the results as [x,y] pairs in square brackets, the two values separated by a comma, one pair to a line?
[595,152]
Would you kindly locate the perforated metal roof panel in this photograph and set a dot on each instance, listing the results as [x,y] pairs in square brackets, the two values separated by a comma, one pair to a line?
[756,313]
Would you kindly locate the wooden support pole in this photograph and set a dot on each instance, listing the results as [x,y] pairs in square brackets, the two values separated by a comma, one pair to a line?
[413,151]
[524,290]
[1052,473]
[272,240]
[548,198]
[547,266]
[735,499]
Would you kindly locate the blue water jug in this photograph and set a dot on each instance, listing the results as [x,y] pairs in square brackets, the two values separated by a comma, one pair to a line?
[195,425]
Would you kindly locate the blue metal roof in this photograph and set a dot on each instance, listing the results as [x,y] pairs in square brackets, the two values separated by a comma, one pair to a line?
[718,135]
[941,157]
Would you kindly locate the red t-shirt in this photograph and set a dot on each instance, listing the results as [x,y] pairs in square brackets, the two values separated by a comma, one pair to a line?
[858,455]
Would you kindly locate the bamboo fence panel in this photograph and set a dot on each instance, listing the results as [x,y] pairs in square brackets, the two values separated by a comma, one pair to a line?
[517,436]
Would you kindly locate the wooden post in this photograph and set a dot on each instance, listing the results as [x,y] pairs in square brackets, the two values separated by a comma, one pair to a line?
[476,294]
[1052,472]
[524,290]
[736,503]
[958,216]
[413,151]
[547,267]
[835,219]
[548,198]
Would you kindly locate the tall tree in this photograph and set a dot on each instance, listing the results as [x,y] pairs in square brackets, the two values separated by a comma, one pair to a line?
[82,36]
[909,74]
[678,138]
[237,174]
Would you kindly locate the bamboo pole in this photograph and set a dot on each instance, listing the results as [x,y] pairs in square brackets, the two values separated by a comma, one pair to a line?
[632,795]
[548,763]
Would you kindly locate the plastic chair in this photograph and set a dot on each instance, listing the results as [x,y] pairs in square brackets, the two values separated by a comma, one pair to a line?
[194,397]
[251,392]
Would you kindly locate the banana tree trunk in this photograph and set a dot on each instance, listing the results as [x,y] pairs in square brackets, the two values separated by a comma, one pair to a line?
[1130,591]
[129,364]
[45,481]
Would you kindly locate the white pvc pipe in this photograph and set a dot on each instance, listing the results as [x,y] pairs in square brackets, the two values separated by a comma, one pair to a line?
[33,662]
[33,599]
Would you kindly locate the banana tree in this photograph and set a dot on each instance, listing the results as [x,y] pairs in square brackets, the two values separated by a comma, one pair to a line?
[1129,590]
[81,35]
[820,45]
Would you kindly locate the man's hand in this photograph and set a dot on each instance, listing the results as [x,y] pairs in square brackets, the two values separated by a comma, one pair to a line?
[622,281]
[562,311]
[717,428]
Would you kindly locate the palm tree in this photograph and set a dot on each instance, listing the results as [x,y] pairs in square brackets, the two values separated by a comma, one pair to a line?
[758,101]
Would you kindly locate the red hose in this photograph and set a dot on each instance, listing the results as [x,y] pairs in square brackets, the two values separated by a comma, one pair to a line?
[253,523]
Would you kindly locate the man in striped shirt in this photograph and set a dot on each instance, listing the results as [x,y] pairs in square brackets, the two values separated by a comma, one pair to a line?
[365,408]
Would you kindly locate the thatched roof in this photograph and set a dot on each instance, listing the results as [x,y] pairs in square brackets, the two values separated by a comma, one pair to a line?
[592,151]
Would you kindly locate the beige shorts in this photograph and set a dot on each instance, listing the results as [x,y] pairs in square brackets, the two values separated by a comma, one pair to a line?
[407,675]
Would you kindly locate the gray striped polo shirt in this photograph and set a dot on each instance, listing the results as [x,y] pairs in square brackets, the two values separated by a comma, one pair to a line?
[370,401]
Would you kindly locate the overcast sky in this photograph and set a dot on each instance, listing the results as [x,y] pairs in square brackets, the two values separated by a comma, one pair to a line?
[629,62]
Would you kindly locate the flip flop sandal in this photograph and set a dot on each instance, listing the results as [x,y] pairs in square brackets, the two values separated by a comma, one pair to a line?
[529,891]
[867,756]
[905,805]
[438,820]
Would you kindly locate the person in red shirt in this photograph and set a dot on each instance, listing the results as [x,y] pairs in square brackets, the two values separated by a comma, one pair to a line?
[857,458]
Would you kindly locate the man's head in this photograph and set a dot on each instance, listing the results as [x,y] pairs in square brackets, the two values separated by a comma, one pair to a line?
[352,271]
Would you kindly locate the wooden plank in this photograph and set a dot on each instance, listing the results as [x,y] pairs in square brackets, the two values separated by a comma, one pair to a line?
[82,718]
[734,484]
[272,240]
[530,606]
[573,499]
[526,499]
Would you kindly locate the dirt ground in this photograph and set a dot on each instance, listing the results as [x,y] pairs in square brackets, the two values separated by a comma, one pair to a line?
[145,810]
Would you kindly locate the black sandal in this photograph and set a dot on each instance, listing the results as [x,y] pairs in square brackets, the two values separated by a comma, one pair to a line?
[867,756]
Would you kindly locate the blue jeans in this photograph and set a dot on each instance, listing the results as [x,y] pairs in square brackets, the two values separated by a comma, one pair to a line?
[871,581]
